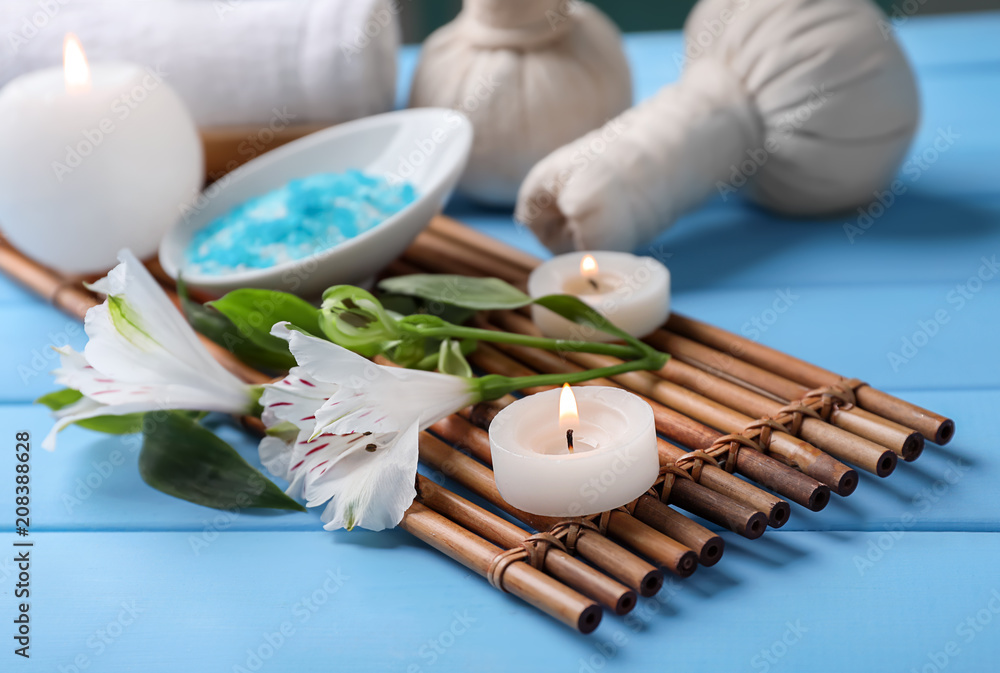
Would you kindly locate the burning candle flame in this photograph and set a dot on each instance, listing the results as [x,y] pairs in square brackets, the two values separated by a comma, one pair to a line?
[75,68]
[569,417]
[588,266]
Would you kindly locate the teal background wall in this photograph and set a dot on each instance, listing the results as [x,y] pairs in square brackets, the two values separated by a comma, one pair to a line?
[421,17]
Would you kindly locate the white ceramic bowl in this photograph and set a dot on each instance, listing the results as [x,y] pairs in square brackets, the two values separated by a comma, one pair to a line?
[427,147]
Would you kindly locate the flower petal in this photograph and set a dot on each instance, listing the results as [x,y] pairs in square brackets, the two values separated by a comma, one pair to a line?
[294,399]
[325,361]
[365,487]
[76,373]
[138,336]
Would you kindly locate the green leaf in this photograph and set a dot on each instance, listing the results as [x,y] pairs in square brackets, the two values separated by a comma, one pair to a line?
[255,312]
[113,425]
[58,399]
[451,359]
[184,459]
[222,331]
[486,294]
[478,294]
[574,309]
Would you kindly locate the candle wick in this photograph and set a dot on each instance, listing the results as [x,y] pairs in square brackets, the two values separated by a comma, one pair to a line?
[593,283]
[569,440]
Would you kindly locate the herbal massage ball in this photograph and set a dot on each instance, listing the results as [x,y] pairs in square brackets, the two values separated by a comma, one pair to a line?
[531,75]
[809,104]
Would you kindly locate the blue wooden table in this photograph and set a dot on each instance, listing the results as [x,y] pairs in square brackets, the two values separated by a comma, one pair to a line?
[903,575]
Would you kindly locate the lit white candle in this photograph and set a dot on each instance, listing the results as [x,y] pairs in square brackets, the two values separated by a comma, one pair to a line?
[93,159]
[613,461]
[633,292]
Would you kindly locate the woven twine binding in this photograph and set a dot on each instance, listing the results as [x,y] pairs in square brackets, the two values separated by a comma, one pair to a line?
[818,403]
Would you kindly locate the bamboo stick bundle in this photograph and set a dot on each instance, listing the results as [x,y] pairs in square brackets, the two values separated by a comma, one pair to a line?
[796,454]
[835,441]
[588,542]
[932,426]
[462,434]
[518,578]
[744,509]
[766,471]
[906,443]
[547,552]
[843,444]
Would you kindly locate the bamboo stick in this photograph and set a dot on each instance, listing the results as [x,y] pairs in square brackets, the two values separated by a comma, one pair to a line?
[906,443]
[840,478]
[932,426]
[680,428]
[633,571]
[520,579]
[564,567]
[655,546]
[721,509]
[462,434]
[429,250]
[766,471]
[470,238]
[835,441]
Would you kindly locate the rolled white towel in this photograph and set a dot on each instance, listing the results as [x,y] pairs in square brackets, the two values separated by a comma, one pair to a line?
[233,62]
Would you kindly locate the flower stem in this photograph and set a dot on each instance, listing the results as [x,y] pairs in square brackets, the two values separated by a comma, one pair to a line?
[462,332]
[493,386]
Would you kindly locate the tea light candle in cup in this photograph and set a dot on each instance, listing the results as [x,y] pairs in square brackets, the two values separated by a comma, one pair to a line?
[609,458]
[93,158]
[631,291]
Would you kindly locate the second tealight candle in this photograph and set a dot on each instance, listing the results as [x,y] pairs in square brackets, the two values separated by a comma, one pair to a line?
[631,291]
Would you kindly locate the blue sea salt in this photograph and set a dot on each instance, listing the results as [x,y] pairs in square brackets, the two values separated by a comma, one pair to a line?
[297,220]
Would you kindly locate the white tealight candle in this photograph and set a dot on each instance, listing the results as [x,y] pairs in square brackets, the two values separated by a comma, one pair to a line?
[613,459]
[93,159]
[632,292]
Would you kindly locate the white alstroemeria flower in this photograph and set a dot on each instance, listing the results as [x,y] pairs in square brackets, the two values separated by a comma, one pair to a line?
[141,356]
[356,430]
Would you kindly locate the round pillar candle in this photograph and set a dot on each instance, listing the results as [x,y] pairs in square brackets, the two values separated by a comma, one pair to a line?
[93,159]
[613,461]
[631,291]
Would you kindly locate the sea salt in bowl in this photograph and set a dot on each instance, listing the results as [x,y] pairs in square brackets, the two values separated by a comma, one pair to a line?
[427,147]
